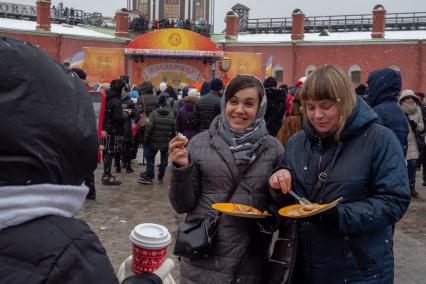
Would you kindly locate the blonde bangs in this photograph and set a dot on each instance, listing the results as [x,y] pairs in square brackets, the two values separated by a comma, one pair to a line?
[331,83]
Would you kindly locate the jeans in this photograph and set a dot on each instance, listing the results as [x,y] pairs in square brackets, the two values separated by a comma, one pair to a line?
[149,154]
[411,166]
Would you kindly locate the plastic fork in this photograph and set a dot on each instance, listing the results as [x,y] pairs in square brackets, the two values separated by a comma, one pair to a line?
[302,201]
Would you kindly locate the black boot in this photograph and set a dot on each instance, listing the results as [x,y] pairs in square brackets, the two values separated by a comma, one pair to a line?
[413,190]
[129,169]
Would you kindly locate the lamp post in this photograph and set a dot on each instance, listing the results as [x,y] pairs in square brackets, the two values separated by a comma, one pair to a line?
[224,66]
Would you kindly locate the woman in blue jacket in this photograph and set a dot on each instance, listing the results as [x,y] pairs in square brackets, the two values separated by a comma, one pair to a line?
[364,164]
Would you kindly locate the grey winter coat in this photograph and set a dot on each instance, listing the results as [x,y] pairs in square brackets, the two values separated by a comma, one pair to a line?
[237,255]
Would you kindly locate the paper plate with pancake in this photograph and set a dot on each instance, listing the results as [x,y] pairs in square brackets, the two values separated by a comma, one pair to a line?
[301,211]
[239,210]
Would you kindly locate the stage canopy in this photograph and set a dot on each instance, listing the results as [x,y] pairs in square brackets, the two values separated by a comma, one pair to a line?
[173,43]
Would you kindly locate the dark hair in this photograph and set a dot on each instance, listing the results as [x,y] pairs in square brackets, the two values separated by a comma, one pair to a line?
[270,82]
[361,90]
[80,73]
[241,82]
[216,84]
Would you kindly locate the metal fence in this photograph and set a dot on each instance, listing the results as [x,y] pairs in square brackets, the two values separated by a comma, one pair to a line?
[338,23]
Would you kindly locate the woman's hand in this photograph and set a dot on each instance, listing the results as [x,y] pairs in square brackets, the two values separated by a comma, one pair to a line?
[281,180]
[177,152]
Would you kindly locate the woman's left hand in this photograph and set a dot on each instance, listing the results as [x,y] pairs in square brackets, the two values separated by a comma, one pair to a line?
[281,180]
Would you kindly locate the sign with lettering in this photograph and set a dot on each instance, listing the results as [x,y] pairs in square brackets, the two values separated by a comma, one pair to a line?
[188,71]
[18,9]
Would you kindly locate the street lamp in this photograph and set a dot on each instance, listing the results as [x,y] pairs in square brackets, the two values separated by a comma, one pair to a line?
[224,66]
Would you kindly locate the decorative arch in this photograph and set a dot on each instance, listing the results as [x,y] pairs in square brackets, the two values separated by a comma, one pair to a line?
[309,70]
[173,42]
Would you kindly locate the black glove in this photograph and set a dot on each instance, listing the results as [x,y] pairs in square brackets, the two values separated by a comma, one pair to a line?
[413,124]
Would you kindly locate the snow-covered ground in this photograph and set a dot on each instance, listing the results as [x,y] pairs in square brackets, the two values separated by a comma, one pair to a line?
[55,28]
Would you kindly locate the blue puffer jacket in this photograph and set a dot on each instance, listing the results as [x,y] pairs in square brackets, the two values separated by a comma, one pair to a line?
[384,86]
[369,172]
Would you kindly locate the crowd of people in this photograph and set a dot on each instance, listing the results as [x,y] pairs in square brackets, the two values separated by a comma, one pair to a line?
[141,25]
[250,142]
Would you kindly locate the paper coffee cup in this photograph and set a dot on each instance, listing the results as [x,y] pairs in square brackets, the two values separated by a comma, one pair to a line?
[149,246]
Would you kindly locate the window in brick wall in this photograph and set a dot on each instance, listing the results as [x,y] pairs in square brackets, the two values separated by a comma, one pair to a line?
[143,8]
[199,9]
[171,9]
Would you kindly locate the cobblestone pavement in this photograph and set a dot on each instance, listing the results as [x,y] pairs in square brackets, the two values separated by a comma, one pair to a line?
[118,209]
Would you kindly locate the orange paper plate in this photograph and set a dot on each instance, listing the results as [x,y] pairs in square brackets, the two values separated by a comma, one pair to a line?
[296,211]
[239,210]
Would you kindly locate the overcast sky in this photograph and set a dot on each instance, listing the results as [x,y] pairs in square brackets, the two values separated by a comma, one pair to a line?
[261,8]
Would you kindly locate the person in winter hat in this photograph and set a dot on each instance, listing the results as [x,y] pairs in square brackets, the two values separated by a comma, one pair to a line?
[44,157]
[384,87]
[163,87]
[205,88]
[184,116]
[113,125]
[409,104]
[276,105]
[160,128]
[208,107]
[216,85]
[89,181]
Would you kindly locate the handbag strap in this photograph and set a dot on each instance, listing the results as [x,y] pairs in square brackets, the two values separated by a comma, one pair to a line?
[322,176]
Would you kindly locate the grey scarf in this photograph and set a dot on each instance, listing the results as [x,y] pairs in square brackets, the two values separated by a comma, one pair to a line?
[243,144]
[409,108]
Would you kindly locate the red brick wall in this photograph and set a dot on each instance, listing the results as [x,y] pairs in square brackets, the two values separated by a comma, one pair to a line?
[61,47]
[409,57]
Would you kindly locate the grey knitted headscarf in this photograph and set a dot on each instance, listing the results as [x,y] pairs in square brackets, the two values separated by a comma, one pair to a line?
[243,144]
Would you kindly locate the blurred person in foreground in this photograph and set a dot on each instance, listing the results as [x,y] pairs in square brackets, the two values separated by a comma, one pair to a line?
[356,159]
[49,145]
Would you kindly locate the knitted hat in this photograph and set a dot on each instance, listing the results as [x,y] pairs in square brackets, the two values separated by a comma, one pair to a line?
[163,86]
[216,84]
[193,96]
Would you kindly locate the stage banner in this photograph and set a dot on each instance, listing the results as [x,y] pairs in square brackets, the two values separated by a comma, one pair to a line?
[103,65]
[245,63]
[175,72]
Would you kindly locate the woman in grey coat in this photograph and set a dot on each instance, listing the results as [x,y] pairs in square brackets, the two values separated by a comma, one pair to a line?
[236,147]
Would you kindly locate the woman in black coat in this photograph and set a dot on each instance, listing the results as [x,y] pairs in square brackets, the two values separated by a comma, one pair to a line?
[358,160]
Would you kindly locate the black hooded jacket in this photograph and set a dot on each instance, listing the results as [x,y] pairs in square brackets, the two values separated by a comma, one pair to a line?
[384,86]
[47,115]
[275,109]
[48,139]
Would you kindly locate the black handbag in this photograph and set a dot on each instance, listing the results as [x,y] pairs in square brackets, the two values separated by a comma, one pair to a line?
[280,266]
[195,237]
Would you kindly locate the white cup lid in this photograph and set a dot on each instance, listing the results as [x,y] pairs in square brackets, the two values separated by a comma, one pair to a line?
[150,235]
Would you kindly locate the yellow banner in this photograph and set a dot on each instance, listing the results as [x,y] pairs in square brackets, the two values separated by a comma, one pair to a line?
[102,65]
[245,63]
